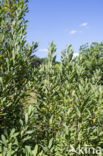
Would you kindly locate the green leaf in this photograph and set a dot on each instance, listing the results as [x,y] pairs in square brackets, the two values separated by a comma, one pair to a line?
[1,81]
[26,138]
[4,139]
[50,143]
[35,150]
[78,112]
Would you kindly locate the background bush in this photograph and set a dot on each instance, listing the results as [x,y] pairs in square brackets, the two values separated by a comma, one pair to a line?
[47,107]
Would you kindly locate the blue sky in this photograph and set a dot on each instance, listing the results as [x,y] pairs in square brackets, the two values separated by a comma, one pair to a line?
[65,22]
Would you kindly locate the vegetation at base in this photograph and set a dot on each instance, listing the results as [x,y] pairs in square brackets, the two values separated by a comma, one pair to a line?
[67,97]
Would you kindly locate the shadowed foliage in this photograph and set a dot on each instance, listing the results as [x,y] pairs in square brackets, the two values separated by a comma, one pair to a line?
[46,106]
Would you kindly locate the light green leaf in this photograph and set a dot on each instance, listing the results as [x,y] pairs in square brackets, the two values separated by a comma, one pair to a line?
[35,150]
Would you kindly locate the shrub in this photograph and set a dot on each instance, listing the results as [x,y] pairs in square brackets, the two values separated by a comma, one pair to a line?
[68,104]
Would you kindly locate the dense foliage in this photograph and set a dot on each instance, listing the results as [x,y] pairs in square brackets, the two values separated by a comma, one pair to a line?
[67,98]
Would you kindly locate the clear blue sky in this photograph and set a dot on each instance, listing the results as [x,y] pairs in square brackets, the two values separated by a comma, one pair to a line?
[65,22]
